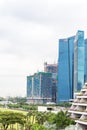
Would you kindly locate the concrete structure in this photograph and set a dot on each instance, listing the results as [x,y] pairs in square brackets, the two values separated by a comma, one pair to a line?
[78,109]
[52,109]
[71,66]
[52,68]
[39,88]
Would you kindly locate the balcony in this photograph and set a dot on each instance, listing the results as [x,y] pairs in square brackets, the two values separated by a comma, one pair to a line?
[80,104]
[81,112]
[83,96]
[84,122]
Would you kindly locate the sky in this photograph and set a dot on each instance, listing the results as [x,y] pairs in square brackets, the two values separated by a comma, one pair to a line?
[29,34]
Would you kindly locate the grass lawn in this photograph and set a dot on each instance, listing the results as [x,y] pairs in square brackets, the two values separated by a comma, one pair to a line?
[19,111]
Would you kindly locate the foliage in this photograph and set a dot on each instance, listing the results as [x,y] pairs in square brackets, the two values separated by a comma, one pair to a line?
[37,126]
[34,120]
[24,107]
[7,118]
[64,104]
[49,126]
[62,119]
[30,120]
[41,117]
[17,99]
[51,117]
[2,99]
[13,105]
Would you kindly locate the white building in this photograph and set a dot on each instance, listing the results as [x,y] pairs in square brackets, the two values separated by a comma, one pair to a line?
[78,109]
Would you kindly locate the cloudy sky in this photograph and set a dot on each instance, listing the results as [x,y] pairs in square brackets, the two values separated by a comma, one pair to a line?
[29,33]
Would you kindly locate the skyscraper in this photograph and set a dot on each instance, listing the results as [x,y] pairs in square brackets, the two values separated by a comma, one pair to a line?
[79,60]
[70,66]
[85,60]
[65,69]
[39,88]
[52,68]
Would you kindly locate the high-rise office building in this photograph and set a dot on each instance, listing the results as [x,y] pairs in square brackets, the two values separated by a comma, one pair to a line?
[79,61]
[39,88]
[65,69]
[70,66]
[85,78]
[52,68]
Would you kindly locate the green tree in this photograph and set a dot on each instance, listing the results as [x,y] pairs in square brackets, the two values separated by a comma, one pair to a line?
[30,120]
[41,117]
[37,126]
[62,119]
[7,118]
[51,117]
[21,100]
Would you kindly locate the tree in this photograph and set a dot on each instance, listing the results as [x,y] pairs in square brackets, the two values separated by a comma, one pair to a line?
[30,120]
[21,100]
[7,118]
[41,117]
[62,119]
[37,126]
[51,117]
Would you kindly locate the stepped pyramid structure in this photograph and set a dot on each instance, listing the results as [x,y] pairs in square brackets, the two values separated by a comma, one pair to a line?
[78,109]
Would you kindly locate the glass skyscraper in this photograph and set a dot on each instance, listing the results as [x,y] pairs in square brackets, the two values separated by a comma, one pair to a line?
[65,69]
[85,60]
[70,66]
[52,68]
[39,88]
[79,61]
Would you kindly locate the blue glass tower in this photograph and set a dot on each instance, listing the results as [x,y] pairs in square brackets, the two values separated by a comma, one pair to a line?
[79,61]
[70,66]
[65,69]
[85,60]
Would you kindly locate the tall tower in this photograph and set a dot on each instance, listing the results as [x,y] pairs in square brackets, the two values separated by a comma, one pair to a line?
[79,61]
[65,69]
[52,68]
[70,66]
[85,78]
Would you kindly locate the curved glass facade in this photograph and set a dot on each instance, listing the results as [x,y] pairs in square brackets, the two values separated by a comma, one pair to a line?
[70,66]
[85,60]
[65,69]
[79,61]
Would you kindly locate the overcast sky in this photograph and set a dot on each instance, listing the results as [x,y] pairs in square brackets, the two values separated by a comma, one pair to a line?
[29,33]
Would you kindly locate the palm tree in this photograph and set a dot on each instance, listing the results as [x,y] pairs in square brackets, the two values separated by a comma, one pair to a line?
[41,117]
[62,119]
[30,119]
